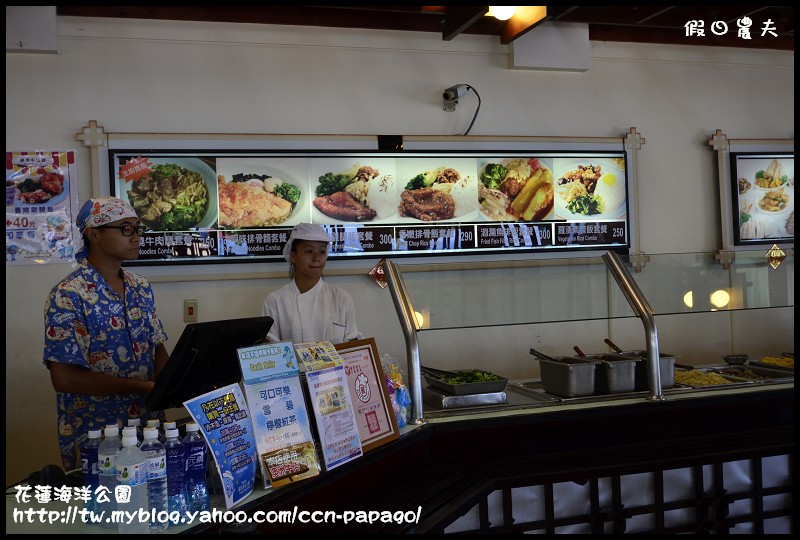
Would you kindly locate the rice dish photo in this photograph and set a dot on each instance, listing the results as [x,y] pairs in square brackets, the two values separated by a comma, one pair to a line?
[438,194]
[360,193]
[590,190]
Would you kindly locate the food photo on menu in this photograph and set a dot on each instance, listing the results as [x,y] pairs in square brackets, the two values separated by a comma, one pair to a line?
[39,186]
[765,188]
[436,191]
[353,191]
[516,189]
[590,188]
[172,194]
[260,192]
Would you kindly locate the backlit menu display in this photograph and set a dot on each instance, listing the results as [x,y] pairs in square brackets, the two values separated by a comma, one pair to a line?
[201,206]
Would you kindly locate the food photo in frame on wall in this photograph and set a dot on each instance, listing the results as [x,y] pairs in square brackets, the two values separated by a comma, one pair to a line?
[262,192]
[170,193]
[762,187]
[442,189]
[590,188]
[516,189]
[347,190]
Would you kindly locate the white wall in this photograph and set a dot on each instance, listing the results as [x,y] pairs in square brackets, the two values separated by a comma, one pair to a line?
[160,76]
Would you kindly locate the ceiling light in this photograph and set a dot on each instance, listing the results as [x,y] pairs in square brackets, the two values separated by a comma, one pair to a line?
[720,298]
[502,13]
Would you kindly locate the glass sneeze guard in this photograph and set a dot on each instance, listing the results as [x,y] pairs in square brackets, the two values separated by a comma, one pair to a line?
[572,288]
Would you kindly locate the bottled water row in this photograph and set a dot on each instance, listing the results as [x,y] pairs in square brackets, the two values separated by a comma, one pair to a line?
[168,475]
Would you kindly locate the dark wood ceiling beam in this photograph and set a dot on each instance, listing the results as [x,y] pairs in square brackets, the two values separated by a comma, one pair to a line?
[459,18]
[524,20]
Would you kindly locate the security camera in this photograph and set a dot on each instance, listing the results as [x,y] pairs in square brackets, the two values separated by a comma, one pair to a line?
[455,92]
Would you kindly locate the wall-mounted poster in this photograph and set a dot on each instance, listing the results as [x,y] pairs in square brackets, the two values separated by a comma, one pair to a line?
[223,206]
[763,197]
[41,205]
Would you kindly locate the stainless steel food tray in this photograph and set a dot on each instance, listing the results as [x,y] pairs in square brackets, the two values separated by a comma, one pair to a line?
[734,381]
[614,373]
[768,374]
[441,400]
[666,368]
[771,366]
[486,387]
[568,376]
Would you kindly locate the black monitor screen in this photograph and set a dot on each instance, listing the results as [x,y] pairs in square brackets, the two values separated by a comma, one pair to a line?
[204,359]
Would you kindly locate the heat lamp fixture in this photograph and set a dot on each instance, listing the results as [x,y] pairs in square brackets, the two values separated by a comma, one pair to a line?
[501,13]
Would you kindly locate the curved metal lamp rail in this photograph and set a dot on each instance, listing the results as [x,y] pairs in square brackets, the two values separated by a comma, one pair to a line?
[642,308]
[405,312]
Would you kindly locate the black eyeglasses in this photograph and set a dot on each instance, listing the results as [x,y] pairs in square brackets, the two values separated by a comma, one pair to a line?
[127,230]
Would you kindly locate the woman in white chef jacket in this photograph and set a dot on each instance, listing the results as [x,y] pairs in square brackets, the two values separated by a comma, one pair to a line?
[309,308]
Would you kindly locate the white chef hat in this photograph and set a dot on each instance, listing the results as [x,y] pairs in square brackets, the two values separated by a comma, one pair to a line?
[304,231]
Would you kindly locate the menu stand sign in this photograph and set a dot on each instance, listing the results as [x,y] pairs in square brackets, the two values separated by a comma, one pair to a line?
[377,424]
[225,424]
[281,425]
[330,397]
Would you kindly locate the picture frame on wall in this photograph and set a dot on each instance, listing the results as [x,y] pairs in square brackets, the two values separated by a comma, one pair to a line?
[376,420]
[762,188]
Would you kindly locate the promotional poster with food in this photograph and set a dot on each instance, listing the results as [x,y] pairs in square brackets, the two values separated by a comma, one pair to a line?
[764,197]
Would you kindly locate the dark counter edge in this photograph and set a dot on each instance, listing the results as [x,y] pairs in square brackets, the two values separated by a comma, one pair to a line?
[447,467]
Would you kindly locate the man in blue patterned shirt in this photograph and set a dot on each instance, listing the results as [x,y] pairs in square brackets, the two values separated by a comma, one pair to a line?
[104,343]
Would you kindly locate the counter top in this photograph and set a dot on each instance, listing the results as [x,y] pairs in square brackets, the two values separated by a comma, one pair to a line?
[446,465]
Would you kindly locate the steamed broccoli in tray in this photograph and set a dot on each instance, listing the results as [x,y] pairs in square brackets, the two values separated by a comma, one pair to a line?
[493,174]
[470,376]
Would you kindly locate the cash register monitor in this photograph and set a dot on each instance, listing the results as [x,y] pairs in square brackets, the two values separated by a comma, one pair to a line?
[204,359]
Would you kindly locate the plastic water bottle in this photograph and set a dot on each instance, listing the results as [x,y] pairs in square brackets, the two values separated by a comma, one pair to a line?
[155,423]
[130,431]
[107,472]
[132,471]
[169,425]
[136,423]
[156,456]
[91,473]
[196,461]
[176,472]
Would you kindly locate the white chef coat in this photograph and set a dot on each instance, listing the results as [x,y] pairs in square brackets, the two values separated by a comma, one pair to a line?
[324,313]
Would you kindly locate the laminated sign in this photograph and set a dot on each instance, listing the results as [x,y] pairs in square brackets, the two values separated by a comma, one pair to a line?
[225,424]
[330,398]
[281,424]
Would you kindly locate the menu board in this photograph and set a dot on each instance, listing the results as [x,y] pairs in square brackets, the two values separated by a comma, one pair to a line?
[763,197]
[217,206]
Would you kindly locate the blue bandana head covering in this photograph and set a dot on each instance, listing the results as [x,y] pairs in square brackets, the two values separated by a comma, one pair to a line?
[101,211]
